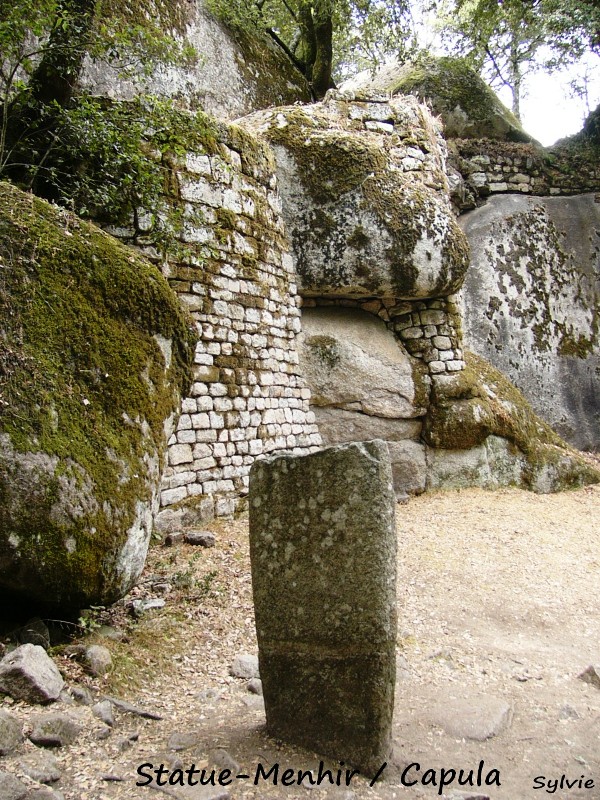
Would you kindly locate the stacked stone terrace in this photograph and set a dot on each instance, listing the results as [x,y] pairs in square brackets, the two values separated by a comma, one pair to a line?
[236,277]
[491,167]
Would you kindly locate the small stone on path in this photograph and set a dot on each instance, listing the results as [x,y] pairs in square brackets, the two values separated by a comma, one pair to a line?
[82,695]
[591,675]
[98,659]
[200,538]
[35,631]
[44,793]
[245,666]
[54,730]
[222,759]
[11,733]
[141,607]
[11,788]
[254,686]
[28,673]
[472,717]
[123,705]
[104,712]
[41,766]
[182,740]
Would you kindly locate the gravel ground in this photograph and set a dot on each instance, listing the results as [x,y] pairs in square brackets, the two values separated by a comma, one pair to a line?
[498,615]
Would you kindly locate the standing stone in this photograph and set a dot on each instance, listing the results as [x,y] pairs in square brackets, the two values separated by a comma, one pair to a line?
[323,553]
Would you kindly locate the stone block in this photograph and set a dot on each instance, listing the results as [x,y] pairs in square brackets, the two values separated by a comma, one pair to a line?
[323,553]
[28,673]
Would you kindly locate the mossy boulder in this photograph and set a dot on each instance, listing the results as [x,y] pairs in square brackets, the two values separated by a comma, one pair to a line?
[474,409]
[469,108]
[95,353]
[365,197]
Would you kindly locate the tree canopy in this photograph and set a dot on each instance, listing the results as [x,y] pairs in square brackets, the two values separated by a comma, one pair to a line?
[327,39]
[509,38]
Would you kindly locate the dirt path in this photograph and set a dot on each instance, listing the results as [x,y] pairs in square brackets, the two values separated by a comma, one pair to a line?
[498,607]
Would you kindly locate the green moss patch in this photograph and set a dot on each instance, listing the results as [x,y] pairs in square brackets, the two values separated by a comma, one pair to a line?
[450,83]
[480,401]
[84,394]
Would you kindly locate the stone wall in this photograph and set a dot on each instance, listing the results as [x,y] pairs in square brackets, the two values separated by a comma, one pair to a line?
[490,167]
[232,270]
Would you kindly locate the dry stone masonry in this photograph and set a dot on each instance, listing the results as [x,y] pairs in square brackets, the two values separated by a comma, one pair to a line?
[346,204]
[323,555]
[233,272]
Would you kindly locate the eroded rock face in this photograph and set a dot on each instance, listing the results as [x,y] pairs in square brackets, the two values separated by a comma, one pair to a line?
[531,301]
[94,353]
[364,385]
[351,361]
[234,73]
[365,200]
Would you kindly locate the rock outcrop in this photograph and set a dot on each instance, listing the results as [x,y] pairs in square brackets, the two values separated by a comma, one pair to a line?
[531,303]
[365,197]
[95,353]
[467,106]
[232,73]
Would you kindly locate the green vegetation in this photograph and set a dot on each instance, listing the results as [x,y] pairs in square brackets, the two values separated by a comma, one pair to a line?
[327,39]
[84,393]
[510,39]
[480,401]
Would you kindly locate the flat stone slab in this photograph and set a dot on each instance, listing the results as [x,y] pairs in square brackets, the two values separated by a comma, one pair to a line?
[323,553]
[476,717]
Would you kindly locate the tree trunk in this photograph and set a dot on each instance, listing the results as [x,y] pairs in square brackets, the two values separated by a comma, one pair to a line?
[321,79]
[316,44]
[516,78]
[55,78]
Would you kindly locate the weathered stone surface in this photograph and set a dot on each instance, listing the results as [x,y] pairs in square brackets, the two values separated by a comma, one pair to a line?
[366,209]
[245,666]
[531,302]
[323,553]
[338,425]
[96,355]
[98,659]
[28,673]
[11,788]
[11,733]
[200,538]
[481,431]
[351,361]
[409,467]
[104,712]
[35,631]
[235,72]
[41,766]
[468,107]
[54,730]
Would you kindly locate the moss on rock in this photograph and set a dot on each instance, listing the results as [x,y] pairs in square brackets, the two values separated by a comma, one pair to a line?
[479,402]
[467,105]
[365,206]
[95,353]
